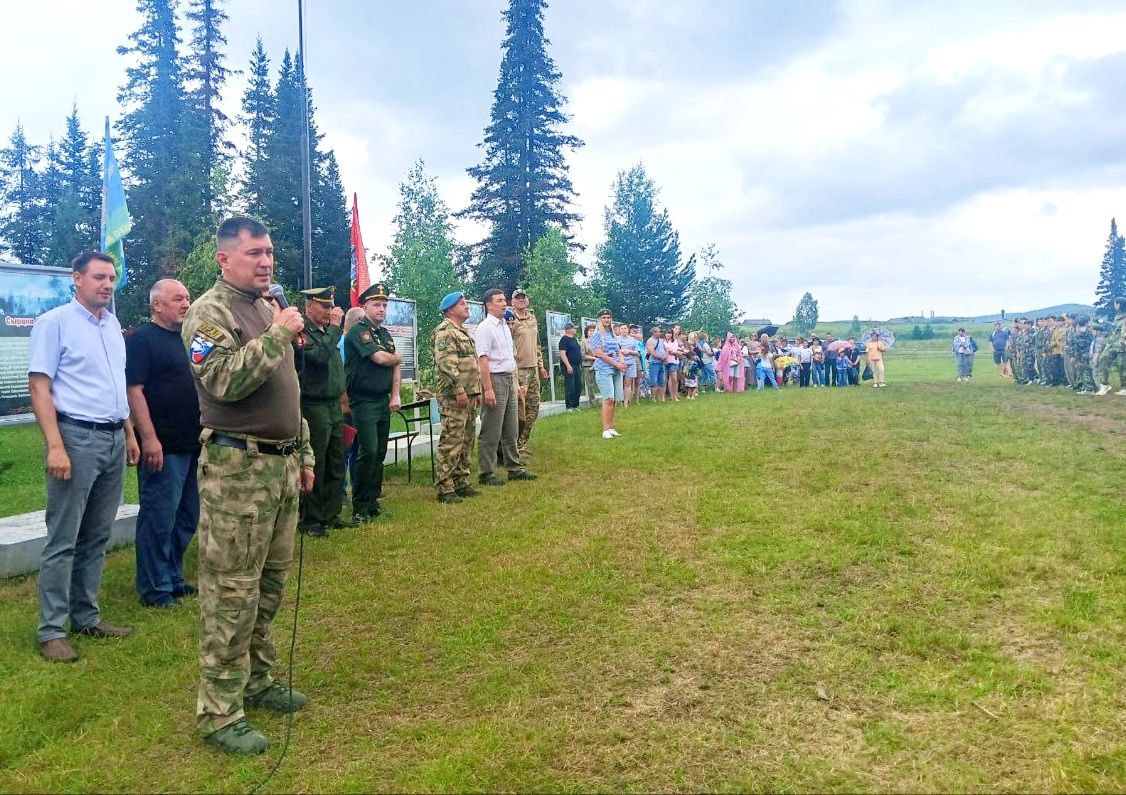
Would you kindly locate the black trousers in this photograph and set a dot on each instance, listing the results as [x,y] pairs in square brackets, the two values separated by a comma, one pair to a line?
[572,387]
[806,368]
[831,372]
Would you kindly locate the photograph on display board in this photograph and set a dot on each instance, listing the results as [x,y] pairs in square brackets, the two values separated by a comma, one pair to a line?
[400,324]
[476,315]
[26,292]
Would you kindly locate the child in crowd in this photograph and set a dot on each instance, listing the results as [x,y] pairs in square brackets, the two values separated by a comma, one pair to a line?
[817,364]
[692,380]
[843,367]
[764,370]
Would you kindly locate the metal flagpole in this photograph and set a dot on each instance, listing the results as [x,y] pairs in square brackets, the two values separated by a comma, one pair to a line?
[306,165]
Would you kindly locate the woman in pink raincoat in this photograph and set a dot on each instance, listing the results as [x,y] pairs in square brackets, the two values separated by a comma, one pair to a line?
[730,355]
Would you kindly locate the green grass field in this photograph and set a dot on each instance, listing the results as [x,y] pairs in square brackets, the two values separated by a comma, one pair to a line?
[914,589]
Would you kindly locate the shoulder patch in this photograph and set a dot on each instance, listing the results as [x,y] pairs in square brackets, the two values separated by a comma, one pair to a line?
[443,343]
[200,348]
[365,337]
[210,331]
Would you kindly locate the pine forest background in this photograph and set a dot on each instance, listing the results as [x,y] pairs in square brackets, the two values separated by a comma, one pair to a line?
[184,172]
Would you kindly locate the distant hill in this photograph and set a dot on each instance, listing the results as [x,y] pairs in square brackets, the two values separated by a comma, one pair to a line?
[1059,309]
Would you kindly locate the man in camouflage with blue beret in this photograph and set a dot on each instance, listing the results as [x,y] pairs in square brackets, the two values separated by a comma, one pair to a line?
[458,388]
[254,463]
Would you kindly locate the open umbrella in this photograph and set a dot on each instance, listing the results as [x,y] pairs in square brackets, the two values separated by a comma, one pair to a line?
[769,331]
[882,334]
[840,345]
[785,361]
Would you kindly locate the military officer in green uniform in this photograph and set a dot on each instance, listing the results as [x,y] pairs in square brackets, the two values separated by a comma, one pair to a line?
[372,367]
[321,373]
[458,384]
[255,459]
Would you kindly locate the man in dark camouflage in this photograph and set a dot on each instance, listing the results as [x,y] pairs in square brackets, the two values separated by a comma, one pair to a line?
[255,460]
[1079,351]
[458,386]
[1114,353]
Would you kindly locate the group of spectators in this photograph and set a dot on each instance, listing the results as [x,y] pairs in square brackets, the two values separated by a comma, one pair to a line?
[619,365]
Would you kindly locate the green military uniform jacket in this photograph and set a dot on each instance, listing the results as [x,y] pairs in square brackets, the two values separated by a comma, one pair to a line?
[319,367]
[243,368]
[367,380]
[455,359]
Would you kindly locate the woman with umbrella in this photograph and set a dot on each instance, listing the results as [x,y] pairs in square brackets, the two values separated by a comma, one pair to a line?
[876,342]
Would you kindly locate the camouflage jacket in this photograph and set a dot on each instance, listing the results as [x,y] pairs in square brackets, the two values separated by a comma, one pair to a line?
[526,341]
[243,368]
[1079,344]
[455,360]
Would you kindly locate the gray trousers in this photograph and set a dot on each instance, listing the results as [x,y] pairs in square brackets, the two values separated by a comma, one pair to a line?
[965,364]
[80,513]
[499,426]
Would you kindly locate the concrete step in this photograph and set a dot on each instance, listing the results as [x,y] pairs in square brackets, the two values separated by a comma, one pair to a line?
[23,537]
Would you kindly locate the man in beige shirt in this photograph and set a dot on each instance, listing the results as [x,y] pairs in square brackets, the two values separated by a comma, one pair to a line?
[529,367]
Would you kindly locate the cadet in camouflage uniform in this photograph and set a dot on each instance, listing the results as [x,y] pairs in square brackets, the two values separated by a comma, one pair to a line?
[1069,361]
[529,367]
[372,367]
[458,386]
[1114,353]
[1016,348]
[254,461]
[1043,344]
[321,373]
[1080,352]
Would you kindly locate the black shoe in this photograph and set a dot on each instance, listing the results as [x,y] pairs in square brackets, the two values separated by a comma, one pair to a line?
[521,474]
[163,604]
[466,491]
[187,589]
[314,530]
[449,496]
[340,523]
[490,480]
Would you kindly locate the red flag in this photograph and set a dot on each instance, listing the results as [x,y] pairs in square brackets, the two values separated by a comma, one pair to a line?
[359,266]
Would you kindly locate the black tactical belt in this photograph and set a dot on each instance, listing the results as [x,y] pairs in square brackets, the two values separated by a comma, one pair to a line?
[289,448]
[90,426]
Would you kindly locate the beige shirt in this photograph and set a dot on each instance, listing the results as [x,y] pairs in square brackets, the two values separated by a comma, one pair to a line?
[493,339]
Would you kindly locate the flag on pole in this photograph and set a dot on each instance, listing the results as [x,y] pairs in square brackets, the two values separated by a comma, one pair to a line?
[115,215]
[359,267]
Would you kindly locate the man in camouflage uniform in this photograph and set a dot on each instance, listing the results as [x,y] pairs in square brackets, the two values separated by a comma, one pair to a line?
[321,373]
[458,386]
[1069,361]
[1079,351]
[372,367]
[1114,353]
[1016,351]
[254,462]
[529,367]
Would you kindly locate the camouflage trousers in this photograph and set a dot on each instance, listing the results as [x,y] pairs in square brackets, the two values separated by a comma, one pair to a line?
[1113,358]
[528,407]
[1084,377]
[455,445]
[247,526]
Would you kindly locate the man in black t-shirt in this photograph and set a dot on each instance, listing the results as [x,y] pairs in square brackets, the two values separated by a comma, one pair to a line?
[571,362]
[165,411]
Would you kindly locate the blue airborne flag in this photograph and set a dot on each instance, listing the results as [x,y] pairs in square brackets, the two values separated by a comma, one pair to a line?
[115,215]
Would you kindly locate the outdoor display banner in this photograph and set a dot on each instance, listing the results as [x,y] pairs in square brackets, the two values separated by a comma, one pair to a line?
[476,315]
[402,325]
[26,292]
[555,321]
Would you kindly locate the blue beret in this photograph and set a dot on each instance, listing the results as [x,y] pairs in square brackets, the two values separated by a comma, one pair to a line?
[450,300]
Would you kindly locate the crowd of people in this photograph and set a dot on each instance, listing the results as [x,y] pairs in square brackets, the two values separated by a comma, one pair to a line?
[1056,351]
[619,366]
[237,407]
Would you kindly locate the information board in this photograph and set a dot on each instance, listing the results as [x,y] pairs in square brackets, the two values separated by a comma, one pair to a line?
[476,315]
[554,323]
[402,325]
[26,292]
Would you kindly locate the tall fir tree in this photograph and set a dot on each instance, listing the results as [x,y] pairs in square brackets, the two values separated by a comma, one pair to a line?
[259,111]
[167,188]
[420,263]
[206,122]
[1112,274]
[712,308]
[23,227]
[523,184]
[332,239]
[281,169]
[72,192]
[638,267]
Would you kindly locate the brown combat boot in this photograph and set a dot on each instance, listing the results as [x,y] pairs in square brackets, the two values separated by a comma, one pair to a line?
[104,630]
[58,650]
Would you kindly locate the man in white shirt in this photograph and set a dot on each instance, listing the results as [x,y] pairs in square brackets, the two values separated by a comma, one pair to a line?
[499,418]
[76,375]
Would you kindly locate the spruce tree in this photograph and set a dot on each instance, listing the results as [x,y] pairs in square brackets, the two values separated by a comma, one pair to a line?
[259,111]
[638,267]
[281,171]
[167,189]
[23,227]
[207,124]
[1112,274]
[332,238]
[72,190]
[523,184]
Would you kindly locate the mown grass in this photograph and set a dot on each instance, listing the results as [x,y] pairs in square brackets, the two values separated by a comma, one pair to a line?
[917,588]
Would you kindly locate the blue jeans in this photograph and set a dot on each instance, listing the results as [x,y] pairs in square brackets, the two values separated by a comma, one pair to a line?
[842,374]
[707,376]
[166,523]
[765,375]
[818,374]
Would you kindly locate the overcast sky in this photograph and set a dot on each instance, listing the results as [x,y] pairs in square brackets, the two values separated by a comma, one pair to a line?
[891,158]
